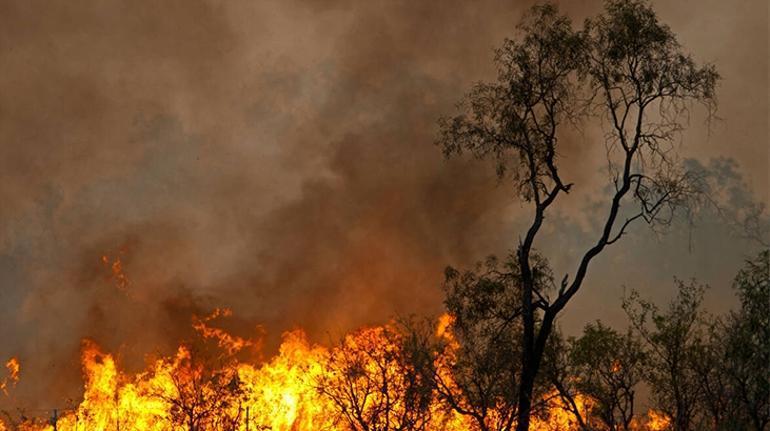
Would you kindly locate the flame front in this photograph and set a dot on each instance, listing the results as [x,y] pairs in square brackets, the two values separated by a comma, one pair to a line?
[282,394]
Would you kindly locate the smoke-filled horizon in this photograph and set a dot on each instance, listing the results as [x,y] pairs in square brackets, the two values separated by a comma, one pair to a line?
[277,158]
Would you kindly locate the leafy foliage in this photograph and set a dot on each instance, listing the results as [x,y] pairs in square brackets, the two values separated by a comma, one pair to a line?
[625,70]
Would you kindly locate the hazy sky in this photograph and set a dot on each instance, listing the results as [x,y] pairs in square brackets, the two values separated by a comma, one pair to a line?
[277,158]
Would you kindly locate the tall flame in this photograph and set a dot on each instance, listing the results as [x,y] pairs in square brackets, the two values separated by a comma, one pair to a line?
[179,393]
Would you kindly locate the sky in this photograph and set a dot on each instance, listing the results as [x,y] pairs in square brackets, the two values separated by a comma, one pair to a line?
[277,158]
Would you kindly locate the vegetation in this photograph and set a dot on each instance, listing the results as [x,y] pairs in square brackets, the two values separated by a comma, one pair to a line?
[625,70]
[497,361]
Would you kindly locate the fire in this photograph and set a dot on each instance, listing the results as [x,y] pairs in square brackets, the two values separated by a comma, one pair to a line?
[558,417]
[443,328]
[13,367]
[282,393]
[195,390]
[657,421]
[225,340]
[115,266]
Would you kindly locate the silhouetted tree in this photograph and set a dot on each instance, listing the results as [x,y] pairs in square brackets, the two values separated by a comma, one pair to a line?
[606,366]
[374,379]
[710,372]
[559,371]
[205,393]
[672,337]
[18,421]
[625,68]
[747,341]
[716,403]
[474,374]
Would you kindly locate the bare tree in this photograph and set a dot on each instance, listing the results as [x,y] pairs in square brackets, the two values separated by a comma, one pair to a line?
[625,68]
[559,371]
[205,393]
[18,421]
[376,383]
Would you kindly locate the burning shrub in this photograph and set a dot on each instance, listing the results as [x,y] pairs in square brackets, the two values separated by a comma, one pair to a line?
[376,384]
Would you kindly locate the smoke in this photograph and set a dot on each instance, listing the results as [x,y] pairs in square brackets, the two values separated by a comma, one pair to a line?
[276,158]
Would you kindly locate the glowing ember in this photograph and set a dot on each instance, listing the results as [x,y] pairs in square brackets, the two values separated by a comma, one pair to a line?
[115,266]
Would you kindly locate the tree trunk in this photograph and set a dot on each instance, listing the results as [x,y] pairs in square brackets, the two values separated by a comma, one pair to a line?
[525,399]
[529,372]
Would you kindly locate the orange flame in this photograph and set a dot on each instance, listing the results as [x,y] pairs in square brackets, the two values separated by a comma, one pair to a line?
[657,421]
[13,367]
[115,266]
[232,344]
[180,392]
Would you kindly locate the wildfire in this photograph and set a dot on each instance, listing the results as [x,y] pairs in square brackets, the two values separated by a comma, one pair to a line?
[230,343]
[115,266]
[189,391]
[657,421]
[13,367]
[443,327]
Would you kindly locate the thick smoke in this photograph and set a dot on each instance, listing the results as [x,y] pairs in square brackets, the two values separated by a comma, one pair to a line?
[276,158]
